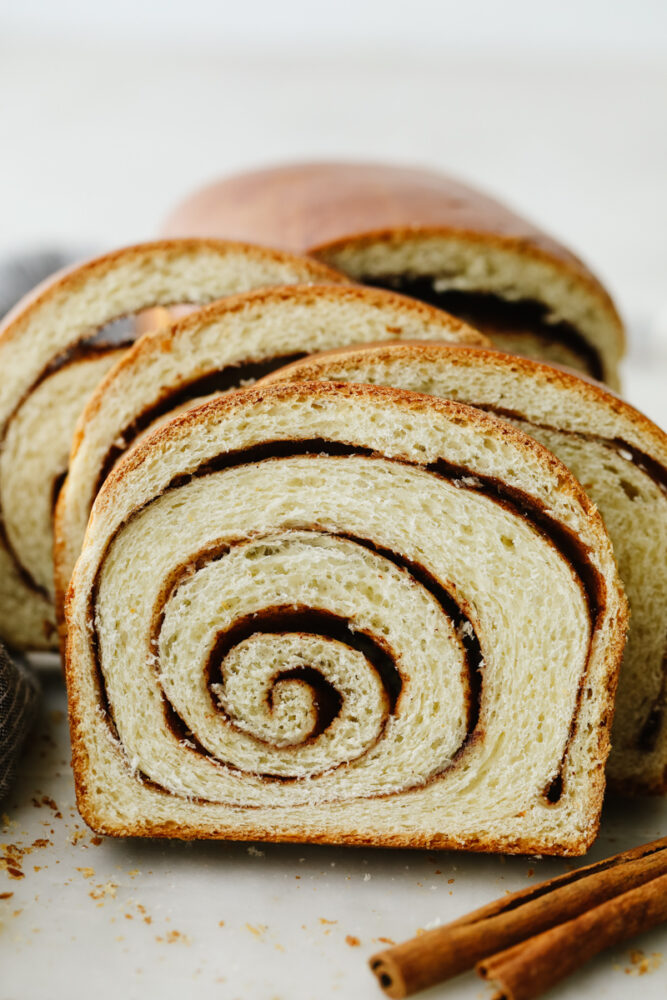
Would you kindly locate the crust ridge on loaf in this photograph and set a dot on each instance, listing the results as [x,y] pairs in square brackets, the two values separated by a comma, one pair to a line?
[335,603]
[55,346]
[618,455]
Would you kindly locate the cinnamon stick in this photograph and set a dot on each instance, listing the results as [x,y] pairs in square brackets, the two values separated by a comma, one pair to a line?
[529,969]
[447,951]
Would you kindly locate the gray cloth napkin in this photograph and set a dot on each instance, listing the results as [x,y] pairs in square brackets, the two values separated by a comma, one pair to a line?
[22,271]
[19,690]
[19,700]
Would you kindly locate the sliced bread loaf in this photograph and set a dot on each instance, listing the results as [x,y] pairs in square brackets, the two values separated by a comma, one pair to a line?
[335,613]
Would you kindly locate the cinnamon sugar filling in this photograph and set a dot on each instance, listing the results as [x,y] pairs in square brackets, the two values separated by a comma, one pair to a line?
[492,314]
[314,621]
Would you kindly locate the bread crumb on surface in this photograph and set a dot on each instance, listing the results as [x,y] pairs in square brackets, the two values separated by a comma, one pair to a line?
[640,963]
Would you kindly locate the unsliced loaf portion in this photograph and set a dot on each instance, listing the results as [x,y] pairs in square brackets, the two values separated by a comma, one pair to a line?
[334,613]
[54,349]
[620,458]
[223,347]
[425,234]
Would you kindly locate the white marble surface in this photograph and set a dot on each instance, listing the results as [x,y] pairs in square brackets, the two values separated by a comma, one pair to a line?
[236,922]
[97,142]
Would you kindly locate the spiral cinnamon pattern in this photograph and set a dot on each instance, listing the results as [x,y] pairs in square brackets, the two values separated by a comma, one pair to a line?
[275,654]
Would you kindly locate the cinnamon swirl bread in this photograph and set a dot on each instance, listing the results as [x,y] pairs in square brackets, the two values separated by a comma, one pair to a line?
[618,455]
[427,235]
[345,614]
[54,349]
[227,345]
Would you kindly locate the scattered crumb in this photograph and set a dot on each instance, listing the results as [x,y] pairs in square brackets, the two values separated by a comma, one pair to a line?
[177,936]
[221,923]
[530,872]
[451,881]
[12,856]
[323,920]
[386,940]
[255,852]
[258,930]
[108,889]
[6,895]
[96,841]
[48,801]
[641,963]
[367,877]
[353,941]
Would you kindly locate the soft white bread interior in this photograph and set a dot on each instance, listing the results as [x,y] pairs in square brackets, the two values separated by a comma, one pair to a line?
[428,235]
[618,455]
[223,347]
[53,352]
[335,613]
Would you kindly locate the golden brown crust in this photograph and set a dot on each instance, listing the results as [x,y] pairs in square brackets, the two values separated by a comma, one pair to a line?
[307,205]
[586,388]
[71,278]
[525,249]
[477,845]
[323,208]
[179,428]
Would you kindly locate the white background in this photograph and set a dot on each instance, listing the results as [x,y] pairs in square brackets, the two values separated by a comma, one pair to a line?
[109,113]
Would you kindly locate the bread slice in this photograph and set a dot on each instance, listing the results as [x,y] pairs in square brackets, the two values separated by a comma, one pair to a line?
[223,347]
[344,614]
[53,352]
[427,235]
[618,455]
